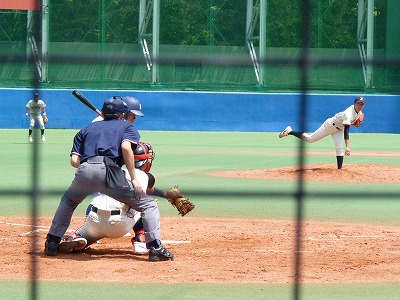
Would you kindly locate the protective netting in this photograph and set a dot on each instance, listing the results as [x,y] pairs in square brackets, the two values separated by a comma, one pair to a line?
[202,46]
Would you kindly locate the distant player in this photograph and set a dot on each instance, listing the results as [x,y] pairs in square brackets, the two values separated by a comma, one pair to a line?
[337,126]
[36,107]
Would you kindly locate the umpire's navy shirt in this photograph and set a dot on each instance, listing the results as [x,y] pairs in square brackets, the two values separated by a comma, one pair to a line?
[104,138]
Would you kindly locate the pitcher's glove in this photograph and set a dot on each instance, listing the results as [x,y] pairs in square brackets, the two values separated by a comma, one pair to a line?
[358,122]
[45,119]
[179,201]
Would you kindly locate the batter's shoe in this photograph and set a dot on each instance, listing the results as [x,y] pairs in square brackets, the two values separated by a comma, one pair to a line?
[43,138]
[51,248]
[285,132]
[30,139]
[72,243]
[160,254]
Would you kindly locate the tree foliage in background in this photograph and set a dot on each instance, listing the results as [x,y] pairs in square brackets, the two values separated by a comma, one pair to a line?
[198,22]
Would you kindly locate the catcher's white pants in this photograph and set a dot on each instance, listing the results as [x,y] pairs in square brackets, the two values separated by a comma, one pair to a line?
[327,128]
[103,224]
[33,119]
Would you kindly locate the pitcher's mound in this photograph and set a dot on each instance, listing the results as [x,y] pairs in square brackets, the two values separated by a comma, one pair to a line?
[323,173]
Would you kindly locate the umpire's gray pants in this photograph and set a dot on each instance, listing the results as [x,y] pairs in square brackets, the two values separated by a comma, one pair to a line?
[90,178]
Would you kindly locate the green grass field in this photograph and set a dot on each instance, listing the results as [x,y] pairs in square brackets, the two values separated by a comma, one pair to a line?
[185,159]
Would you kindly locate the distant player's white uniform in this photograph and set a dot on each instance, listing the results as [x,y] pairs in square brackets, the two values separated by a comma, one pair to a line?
[110,218]
[334,126]
[35,110]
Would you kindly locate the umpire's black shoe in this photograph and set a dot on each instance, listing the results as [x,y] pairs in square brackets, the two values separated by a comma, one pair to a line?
[51,248]
[160,254]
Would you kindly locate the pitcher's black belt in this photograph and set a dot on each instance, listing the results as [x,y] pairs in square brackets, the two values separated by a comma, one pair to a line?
[115,212]
[336,126]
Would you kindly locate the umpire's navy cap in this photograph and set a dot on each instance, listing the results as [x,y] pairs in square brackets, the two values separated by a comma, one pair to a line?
[114,105]
[359,99]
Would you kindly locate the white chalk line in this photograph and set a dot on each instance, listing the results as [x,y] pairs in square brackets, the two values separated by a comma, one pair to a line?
[23,225]
[174,242]
[46,228]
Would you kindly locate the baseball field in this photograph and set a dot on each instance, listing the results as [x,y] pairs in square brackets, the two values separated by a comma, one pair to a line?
[240,240]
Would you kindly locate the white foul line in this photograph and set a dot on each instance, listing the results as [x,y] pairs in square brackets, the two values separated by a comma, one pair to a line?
[174,242]
[45,228]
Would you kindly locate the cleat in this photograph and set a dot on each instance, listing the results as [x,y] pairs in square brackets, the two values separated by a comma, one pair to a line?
[72,243]
[43,138]
[140,248]
[51,248]
[285,132]
[30,139]
[160,254]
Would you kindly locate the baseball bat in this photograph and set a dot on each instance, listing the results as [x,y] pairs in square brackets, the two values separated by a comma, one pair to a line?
[85,101]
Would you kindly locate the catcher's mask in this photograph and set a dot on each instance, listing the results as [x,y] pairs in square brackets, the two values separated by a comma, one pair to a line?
[144,156]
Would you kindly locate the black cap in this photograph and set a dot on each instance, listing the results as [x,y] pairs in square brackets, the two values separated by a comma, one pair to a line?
[114,105]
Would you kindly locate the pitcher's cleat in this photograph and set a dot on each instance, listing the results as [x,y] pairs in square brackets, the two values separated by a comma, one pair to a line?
[285,132]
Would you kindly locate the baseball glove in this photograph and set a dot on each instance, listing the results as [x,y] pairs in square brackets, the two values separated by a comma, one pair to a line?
[358,122]
[45,119]
[179,201]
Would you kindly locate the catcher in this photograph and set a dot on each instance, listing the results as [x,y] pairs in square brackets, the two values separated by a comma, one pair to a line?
[109,218]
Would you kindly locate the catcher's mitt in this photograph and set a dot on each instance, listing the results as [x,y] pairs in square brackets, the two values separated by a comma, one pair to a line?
[179,201]
[358,122]
[45,119]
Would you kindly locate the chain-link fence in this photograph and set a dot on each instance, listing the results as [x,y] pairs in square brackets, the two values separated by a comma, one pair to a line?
[205,45]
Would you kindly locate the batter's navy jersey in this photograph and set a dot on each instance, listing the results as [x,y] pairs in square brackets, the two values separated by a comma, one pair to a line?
[104,139]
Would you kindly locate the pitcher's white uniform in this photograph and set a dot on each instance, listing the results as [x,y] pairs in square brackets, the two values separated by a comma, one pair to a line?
[110,218]
[35,110]
[334,126]
[338,127]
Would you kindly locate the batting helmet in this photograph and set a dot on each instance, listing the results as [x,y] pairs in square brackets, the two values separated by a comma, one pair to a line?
[144,156]
[134,105]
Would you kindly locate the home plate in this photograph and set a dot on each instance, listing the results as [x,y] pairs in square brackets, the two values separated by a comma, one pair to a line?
[174,242]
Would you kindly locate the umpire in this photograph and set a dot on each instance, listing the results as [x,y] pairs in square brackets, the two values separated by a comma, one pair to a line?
[113,138]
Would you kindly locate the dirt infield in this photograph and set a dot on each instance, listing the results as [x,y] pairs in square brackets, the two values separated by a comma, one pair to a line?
[219,251]
[222,250]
